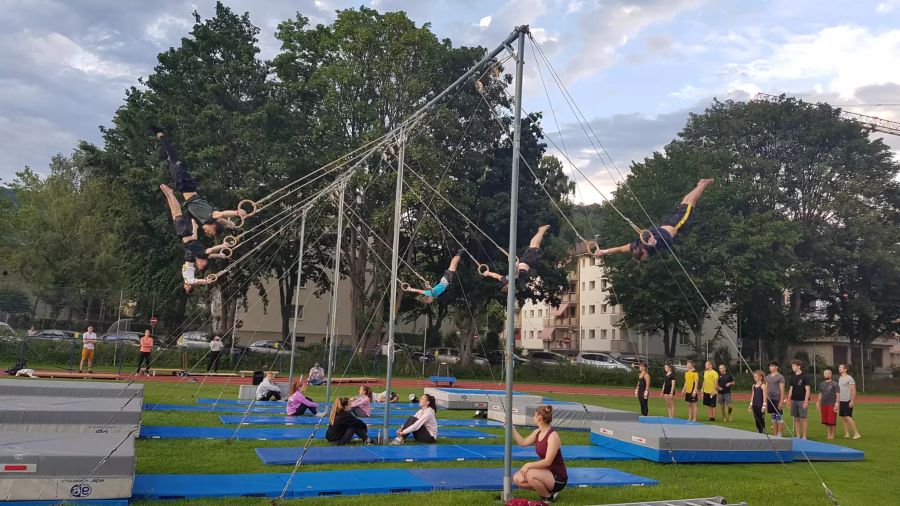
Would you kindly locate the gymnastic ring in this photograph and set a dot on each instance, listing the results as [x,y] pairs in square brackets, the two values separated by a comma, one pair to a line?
[253,205]
[405,287]
[226,252]
[495,72]
[592,247]
[212,278]
[237,221]
[645,237]
[479,86]
[486,269]
[230,241]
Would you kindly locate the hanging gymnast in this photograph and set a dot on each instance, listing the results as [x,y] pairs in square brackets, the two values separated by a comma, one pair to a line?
[212,220]
[196,254]
[523,266]
[658,239]
[447,279]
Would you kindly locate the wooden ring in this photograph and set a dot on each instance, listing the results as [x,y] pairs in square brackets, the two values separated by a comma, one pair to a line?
[405,287]
[237,221]
[230,241]
[212,278]
[645,236]
[483,268]
[226,252]
[592,247]
[252,204]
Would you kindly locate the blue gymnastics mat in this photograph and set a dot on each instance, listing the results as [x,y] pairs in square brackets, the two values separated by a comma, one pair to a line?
[258,408]
[206,401]
[666,420]
[422,453]
[814,450]
[311,420]
[82,502]
[356,482]
[184,432]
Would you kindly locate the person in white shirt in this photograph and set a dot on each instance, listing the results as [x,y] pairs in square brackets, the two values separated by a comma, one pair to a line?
[215,352]
[383,396]
[422,426]
[268,390]
[87,351]
[316,375]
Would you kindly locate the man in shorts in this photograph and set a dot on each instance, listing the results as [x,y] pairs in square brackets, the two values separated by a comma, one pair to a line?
[798,396]
[827,403]
[447,279]
[659,238]
[89,342]
[196,254]
[710,386]
[847,387]
[774,397]
[691,380]
[528,260]
[726,381]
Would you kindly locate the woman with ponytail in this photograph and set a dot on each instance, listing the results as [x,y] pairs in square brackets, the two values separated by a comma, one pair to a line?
[547,476]
[342,425]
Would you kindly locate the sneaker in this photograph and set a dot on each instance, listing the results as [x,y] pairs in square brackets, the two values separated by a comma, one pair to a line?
[397,441]
[858,436]
[370,441]
[80,371]
[90,371]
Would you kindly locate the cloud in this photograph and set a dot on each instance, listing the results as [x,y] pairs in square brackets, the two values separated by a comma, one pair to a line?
[888,6]
[31,135]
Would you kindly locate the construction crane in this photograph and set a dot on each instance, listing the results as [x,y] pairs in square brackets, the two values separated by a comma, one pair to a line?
[873,123]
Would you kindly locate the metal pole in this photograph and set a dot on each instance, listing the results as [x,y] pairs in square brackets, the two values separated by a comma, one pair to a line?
[424,346]
[862,366]
[511,273]
[336,277]
[395,259]
[118,330]
[297,297]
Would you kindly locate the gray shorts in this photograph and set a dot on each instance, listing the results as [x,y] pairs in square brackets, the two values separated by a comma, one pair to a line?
[724,399]
[797,409]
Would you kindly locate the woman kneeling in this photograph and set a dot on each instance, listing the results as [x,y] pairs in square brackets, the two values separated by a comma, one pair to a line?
[547,476]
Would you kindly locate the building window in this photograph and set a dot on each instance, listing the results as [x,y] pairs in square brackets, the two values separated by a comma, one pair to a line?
[603,283]
[612,334]
[540,313]
[582,333]
[582,309]
[591,334]
[592,285]
[592,309]
[582,286]
[531,313]
[684,338]
[584,262]
[571,311]
[531,334]
[603,334]
[603,308]
[612,309]
[299,310]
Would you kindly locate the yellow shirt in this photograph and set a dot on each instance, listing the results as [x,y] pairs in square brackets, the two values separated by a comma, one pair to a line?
[710,380]
[690,381]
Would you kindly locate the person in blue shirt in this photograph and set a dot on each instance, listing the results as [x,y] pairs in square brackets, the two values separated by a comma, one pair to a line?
[447,279]
[658,239]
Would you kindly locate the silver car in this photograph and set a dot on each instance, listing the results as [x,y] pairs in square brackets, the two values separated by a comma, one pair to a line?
[270,347]
[193,340]
[601,360]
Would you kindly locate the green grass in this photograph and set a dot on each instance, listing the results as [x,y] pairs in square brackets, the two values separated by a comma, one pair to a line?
[872,481]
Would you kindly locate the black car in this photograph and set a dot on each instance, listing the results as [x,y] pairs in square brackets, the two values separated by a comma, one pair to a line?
[496,357]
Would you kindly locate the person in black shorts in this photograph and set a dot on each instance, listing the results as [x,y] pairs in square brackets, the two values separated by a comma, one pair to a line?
[726,381]
[447,279]
[531,257]
[549,475]
[195,252]
[212,220]
[658,239]
[668,390]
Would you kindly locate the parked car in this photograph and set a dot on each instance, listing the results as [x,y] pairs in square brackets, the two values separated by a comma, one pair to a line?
[600,360]
[121,337]
[496,358]
[633,360]
[480,361]
[7,333]
[57,335]
[548,358]
[445,355]
[422,357]
[194,340]
[271,347]
[679,364]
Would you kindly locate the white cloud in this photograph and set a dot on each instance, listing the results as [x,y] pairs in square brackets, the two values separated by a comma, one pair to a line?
[888,6]
[485,22]
[158,31]
[57,50]
[574,6]
[36,136]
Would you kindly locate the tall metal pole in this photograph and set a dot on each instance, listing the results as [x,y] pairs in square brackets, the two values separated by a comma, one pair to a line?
[336,277]
[297,296]
[395,260]
[511,273]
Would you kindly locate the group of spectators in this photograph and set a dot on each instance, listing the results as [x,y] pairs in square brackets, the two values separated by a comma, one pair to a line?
[835,398]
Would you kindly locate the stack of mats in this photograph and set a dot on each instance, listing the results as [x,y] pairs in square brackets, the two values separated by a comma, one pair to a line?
[355,482]
[466,398]
[55,436]
[566,415]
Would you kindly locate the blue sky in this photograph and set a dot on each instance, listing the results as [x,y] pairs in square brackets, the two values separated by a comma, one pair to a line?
[635,68]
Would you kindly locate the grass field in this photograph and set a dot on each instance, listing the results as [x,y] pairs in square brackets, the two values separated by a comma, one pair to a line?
[873,481]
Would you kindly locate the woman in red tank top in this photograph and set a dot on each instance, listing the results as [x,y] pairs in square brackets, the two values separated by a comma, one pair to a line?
[548,475]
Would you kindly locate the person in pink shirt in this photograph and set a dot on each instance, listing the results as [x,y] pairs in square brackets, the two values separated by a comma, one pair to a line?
[361,406]
[298,403]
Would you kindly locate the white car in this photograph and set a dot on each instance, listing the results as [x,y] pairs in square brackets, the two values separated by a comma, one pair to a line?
[193,340]
[601,360]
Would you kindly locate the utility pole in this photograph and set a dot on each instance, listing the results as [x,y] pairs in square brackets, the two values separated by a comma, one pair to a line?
[336,277]
[297,296]
[395,265]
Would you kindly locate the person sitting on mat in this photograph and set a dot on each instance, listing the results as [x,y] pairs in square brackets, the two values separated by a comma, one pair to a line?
[316,375]
[547,476]
[268,390]
[382,397]
[298,403]
[361,405]
[659,238]
[423,425]
[213,221]
[523,266]
[342,425]
[447,279]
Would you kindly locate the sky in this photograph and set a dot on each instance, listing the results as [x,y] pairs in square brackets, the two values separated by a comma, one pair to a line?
[635,69]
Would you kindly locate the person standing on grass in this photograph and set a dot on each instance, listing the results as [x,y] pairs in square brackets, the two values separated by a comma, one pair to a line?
[798,395]
[758,401]
[89,340]
[548,476]
[710,386]
[690,388]
[342,425]
[827,403]
[361,406]
[726,381]
[298,403]
[775,397]
[215,353]
[642,390]
[668,390]
[423,425]
[267,390]
[847,387]
[316,375]
[146,351]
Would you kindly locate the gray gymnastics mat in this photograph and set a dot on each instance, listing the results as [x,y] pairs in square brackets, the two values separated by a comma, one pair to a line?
[465,398]
[708,501]
[565,415]
[51,466]
[62,414]
[59,388]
